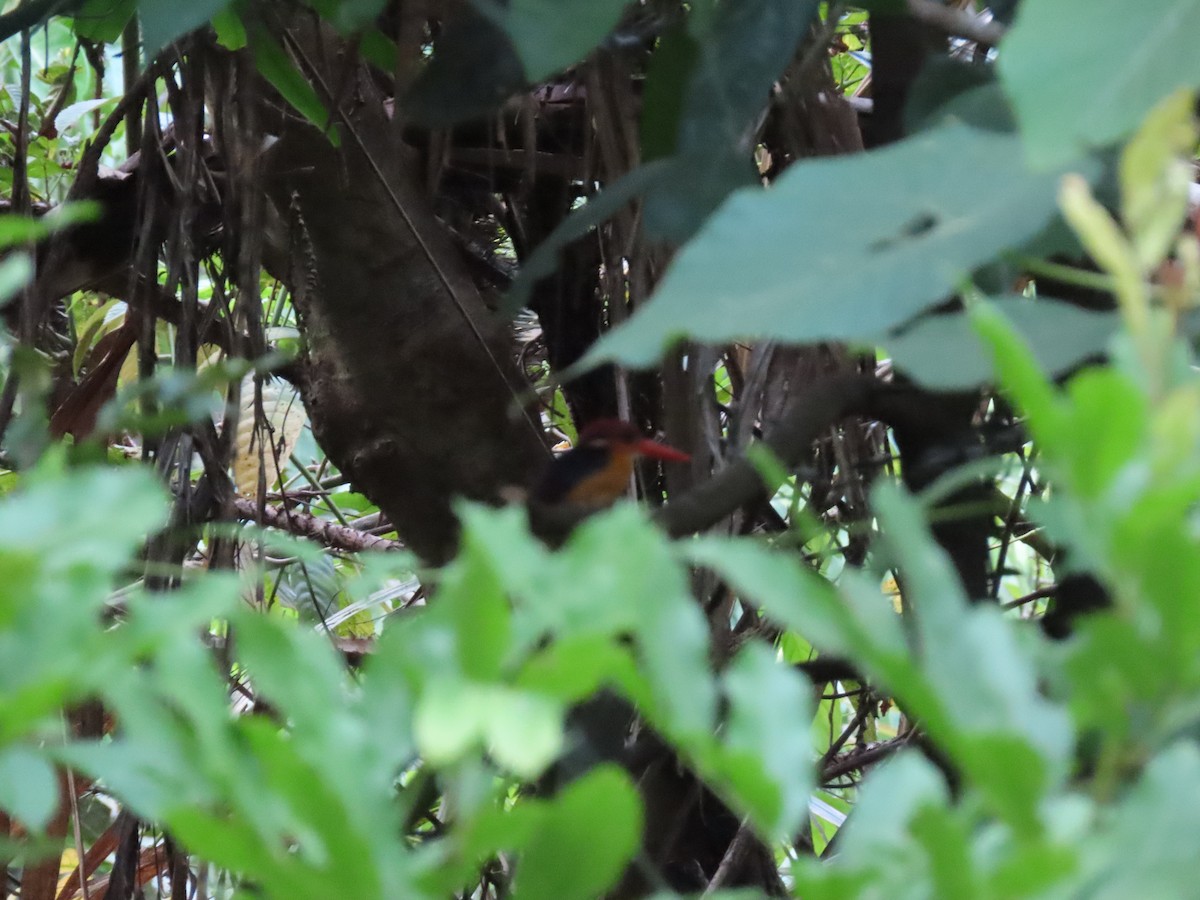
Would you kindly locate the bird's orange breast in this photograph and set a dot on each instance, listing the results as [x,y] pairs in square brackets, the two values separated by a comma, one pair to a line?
[607,484]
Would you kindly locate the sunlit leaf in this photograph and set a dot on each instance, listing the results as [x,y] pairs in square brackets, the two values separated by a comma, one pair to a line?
[584,839]
[28,786]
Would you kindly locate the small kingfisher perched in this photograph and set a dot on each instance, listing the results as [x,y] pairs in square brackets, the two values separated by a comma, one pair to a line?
[595,472]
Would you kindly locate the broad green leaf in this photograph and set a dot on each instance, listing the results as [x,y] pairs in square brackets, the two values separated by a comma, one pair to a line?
[943,351]
[767,733]
[986,684]
[1020,374]
[550,35]
[165,20]
[1111,410]
[573,668]
[946,841]
[474,69]
[1148,848]
[798,598]
[294,669]
[663,95]
[67,518]
[16,271]
[1073,94]
[876,845]
[231,33]
[16,229]
[474,598]
[28,786]
[843,248]
[586,836]
[103,20]
[450,719]
[953,87]
[276,66]
[524,731]
[741,52]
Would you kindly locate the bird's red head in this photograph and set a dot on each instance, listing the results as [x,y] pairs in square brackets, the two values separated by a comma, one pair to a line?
[617,434]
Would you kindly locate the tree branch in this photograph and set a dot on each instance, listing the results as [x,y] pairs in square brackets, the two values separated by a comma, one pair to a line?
[339,537]
[820,406]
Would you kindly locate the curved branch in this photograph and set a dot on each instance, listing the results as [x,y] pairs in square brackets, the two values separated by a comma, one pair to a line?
[823,404]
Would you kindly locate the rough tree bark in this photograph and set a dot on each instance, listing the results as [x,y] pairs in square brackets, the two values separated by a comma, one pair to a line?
[407,377]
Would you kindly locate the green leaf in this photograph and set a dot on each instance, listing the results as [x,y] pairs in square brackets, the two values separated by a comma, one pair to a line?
[24,229]
[550,35]
[450,719]
[1020,374]
[583,841]
[277,67]
[16,271]
[1074,94]
[855,625]
[667,76]
[103,20]
[768,734]
[165,20]
[473,70]
[739,54]
[1149,849]
[897,231]
[524,731]
[891,797]
[231,33]
[28,787]
[480,612]
[49,517]
[988,709]
[521,729]
[943,351]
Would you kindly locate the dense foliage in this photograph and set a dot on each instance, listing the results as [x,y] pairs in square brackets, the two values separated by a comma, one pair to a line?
[921,619]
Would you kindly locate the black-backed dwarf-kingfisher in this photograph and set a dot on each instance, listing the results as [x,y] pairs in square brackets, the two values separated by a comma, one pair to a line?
[595,472]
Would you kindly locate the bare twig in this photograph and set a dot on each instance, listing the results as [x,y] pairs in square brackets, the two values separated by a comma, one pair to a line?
[857,760]
[733,855]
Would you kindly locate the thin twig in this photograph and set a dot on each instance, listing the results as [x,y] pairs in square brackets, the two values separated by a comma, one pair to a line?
[733,856]
[856,760]
[78,829]
[1040,594]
